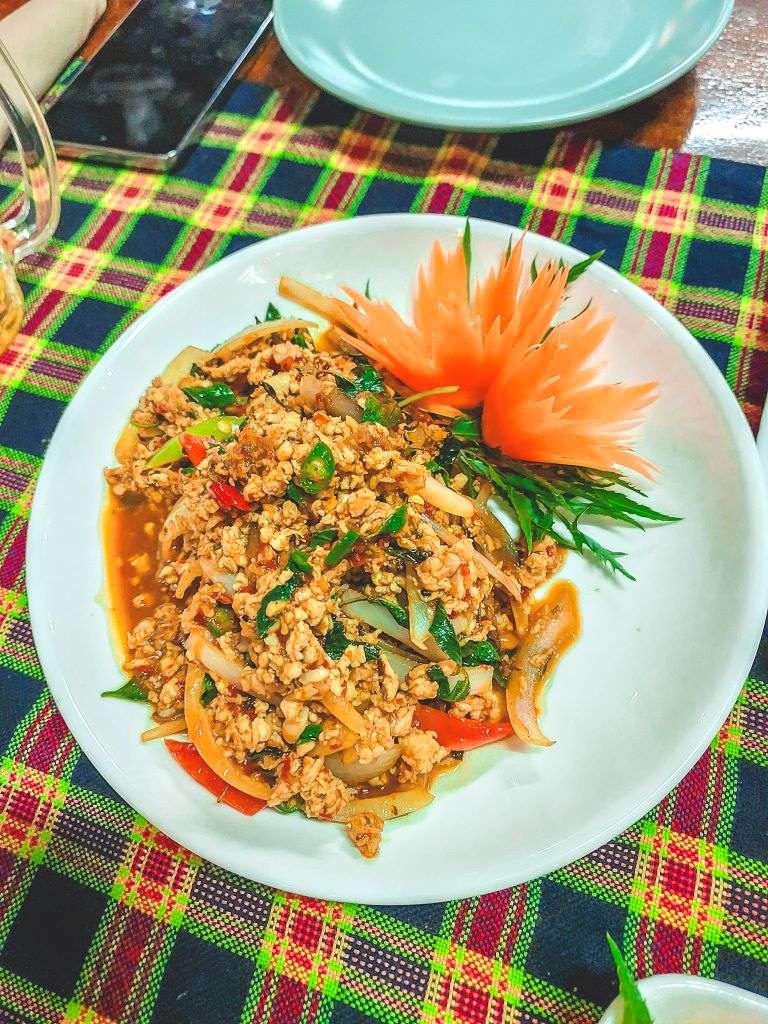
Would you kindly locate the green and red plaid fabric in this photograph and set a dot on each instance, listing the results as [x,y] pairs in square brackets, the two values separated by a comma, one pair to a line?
[102,918]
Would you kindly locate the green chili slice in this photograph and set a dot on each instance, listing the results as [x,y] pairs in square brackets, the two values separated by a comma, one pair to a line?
[342,548]
[219,428]
[317,469]
[222,621]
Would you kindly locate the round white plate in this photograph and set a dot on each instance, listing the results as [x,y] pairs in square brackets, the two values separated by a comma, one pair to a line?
[679,998]
[494,65]
[633,705]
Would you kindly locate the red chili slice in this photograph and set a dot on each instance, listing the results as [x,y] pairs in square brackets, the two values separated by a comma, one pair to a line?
[459,733]
[185,755]
[228,497]
[194,448]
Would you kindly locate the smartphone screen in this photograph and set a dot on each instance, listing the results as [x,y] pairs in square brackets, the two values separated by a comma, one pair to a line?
[145,92]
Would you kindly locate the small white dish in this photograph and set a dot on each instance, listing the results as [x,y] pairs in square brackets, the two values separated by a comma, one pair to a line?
[633,705]
[493,65]
[684,999]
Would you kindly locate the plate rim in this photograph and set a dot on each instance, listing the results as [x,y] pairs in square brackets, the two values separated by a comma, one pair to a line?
[448,122]
[439,891]
[681,983]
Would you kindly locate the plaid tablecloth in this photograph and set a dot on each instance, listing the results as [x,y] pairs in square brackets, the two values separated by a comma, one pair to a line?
[102,918]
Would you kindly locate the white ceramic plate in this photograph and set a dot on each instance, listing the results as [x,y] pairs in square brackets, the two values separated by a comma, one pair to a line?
[683,999]
[494,65]
[633,705]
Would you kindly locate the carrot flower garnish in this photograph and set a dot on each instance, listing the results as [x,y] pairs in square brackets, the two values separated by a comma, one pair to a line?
[539,382]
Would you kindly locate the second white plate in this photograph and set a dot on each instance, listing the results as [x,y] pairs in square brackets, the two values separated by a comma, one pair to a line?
[495,65]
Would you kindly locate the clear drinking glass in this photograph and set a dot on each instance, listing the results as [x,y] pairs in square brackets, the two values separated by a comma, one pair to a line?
[38,216]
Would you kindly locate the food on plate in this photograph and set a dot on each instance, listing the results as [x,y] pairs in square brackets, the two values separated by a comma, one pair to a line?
[326,548]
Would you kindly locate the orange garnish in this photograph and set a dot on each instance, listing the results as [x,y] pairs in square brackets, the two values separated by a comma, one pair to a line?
[538,384]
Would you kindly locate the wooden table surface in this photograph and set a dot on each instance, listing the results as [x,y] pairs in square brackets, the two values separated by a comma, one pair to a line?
[720,108]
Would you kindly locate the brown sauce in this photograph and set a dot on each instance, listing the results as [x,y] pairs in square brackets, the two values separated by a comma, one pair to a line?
[129,531]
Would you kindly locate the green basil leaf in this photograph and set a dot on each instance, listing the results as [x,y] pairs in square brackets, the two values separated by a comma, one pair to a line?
[395,522]
[466,428]
[414,555]
[130,690]
[299,339]
[273,313]
[295,494]
[635,1008]
[342,548]
[216,396]
[288,807]
[282,592]
[447,454]
[578,268]
[400,615]
[310,734]
[335,643]
[444,690]
[209,691]
[326,536]
[480,652]
[299,562]
[444,634]
[523,508]
[367,378]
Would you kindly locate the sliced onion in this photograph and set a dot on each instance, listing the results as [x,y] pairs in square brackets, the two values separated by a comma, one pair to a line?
[204,741]
[180,367]
[173,527]
[374,615]
[356,773]
[339,404]
[187,577]
[554,627]
[498,519]
[309,391]
[245,338]
[126,444]
[498,713]
[171,728]
[509,583]
[400,664]
[445,498]
[343,742]
[419,615]
[441,768]
[280,384]
[340,708]
[377,617]
[388,805]
[480,678]
[203,650]
[332,310]
[215,575]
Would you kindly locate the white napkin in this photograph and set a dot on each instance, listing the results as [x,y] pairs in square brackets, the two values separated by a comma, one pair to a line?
[43,35]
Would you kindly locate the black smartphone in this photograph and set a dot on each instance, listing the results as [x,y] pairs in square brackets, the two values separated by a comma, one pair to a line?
[143,97]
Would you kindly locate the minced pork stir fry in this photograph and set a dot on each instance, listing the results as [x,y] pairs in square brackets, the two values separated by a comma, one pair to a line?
[323,615]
